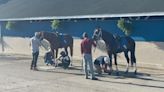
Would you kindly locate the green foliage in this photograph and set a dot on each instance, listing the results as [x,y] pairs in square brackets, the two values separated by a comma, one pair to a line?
[55,24]
[10,25]
[125,26]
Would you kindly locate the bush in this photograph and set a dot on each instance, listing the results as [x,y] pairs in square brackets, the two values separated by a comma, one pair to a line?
[125,26]
[55,24]
[10,25]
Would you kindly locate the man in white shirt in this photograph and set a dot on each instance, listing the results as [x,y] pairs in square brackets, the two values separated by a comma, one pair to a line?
[35,43]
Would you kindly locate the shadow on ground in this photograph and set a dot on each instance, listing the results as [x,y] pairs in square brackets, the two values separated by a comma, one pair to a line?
[76,70]
[139,76]
[160,45]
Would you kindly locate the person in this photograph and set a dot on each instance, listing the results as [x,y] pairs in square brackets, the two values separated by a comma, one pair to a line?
[65,60]
[35,43]
[48,57]
[86,51]
[101,63]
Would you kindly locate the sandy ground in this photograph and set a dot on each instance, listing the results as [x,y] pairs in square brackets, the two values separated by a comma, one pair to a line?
[147,53]
[17,77]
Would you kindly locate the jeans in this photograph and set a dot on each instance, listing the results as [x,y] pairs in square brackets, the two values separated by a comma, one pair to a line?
[87,59]
[34,59]
[48,61]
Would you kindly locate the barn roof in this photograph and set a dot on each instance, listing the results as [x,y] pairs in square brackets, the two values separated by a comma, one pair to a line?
[63,9]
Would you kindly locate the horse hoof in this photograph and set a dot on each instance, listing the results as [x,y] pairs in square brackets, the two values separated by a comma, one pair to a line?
[126,72]
[46,64]
[132,64]
[109,73]
[135,72]
[71,64]
[117,74]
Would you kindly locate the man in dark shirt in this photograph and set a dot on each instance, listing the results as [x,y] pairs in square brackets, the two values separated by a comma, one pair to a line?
[86,51]
[35,43]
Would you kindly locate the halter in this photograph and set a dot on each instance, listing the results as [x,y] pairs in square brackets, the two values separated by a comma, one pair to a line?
[98,34]
[41,36]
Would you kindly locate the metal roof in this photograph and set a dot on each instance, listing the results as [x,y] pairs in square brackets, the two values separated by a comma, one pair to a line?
[64,9]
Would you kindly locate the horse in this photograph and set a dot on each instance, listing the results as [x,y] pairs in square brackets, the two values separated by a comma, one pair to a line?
[57,41]
[112,44]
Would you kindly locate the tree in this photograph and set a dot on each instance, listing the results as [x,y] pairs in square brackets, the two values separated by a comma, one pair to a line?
[10,25]
[1,38]
[125,26]
[55,24]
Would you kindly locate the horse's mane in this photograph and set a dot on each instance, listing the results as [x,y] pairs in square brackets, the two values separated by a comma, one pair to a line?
[107,35]
[49,35]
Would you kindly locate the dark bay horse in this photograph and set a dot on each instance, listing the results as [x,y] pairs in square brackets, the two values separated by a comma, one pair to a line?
[112,47]
[58,41]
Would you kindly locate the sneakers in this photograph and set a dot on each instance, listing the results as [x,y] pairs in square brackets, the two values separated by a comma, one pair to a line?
[34,68]
[86,78]
[94,78]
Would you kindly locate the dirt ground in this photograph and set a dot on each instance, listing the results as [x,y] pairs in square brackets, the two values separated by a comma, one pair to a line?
[17,77]
[147,53]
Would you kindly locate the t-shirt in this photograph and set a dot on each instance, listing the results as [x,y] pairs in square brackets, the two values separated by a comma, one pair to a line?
[35,43]
[99,60]
[86,46]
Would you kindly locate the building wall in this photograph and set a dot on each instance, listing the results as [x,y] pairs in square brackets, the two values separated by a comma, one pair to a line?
[143,30]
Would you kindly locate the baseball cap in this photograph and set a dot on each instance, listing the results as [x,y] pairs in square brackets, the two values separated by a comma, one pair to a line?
[106,59]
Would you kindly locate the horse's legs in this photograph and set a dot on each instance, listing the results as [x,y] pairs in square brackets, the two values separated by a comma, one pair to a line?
[110,64]
[133,60]
[52,50]
[67,54]
[71,52]
[127,58]
[56,53]
[115,61]
[66,50]
[55,58]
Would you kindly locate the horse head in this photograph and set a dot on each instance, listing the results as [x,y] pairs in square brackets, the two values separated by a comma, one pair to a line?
[97,35]
[41,35]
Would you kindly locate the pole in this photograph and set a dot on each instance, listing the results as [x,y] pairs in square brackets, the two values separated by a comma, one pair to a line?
[2,42]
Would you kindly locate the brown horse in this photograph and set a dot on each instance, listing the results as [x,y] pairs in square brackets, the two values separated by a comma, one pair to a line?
[58,41]
[113,47]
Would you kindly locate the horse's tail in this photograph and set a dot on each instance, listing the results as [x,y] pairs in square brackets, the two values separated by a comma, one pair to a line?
[133,57]
[71,48]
